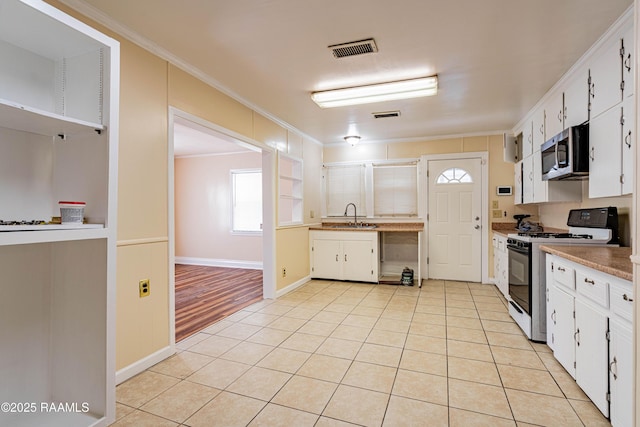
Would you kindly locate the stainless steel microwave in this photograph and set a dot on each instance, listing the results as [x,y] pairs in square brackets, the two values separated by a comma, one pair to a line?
[566,155]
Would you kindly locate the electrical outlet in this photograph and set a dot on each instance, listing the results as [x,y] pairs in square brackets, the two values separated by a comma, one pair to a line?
[284,272]
[497,213]
[494,204]
[145,288]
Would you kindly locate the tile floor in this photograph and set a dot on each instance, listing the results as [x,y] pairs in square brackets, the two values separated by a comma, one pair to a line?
[344,354]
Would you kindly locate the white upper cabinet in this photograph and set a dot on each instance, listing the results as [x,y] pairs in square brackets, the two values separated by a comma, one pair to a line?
[611,127]
[555,115]
[605,77]
[576,100]
[628,62]
[628,141]
[538,132]
[527,139]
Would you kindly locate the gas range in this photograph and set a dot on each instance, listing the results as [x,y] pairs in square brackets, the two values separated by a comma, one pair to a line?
[527,267]
[575,235]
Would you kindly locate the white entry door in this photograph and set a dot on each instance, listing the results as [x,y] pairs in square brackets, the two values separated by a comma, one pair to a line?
[455,219]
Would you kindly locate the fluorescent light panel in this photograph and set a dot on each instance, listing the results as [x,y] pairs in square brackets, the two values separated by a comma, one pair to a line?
[403,89]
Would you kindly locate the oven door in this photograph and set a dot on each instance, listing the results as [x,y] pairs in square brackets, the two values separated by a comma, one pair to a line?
[520,276]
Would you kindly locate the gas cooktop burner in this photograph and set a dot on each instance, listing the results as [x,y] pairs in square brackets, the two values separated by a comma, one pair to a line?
[23,222]
[545,235]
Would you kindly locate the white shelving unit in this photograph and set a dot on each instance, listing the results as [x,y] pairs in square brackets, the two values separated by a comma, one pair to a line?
[58,141]
[290,190]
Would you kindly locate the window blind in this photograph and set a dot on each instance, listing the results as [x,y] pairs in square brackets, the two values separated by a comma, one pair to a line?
[344,185]
[395,190]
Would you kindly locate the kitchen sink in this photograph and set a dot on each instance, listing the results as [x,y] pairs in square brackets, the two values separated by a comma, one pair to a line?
[351,226]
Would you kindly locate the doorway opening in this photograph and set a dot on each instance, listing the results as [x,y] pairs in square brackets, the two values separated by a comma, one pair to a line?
[220,204]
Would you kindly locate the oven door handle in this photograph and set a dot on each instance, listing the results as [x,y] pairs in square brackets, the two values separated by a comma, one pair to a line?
[519,250]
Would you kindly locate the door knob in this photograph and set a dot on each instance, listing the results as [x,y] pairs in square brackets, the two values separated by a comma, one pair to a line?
[477,227]
[477,218]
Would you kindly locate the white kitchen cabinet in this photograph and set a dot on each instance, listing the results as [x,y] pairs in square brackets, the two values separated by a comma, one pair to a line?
[621,373]
[605,74]
[576,100]
[554,115]
[628,43]
[501,264]
[344,255]
[627,143]
[564,329]
[611,146]
[527,139]
[518,183]
[540,187]
[592,353]
[598,351]
[550,312]
[58,137]
[539,129]
[527,180]
[621,353]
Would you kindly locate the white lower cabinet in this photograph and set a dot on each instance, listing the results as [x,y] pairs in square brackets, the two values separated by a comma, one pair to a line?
[590,332]
[592,353]
[344,255]
[621,373]
[564,334]
[501,264]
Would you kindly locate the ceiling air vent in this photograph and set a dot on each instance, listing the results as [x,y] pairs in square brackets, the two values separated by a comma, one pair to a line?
[359,47]
[386,114]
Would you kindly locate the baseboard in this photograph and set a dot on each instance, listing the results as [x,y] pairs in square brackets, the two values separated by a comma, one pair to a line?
[292,286]
[212,262]
[145,363]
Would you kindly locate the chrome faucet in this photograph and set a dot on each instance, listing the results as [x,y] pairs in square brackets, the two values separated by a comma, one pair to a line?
[355,213]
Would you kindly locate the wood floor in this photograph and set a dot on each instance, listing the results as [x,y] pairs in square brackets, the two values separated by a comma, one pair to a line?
[205,295]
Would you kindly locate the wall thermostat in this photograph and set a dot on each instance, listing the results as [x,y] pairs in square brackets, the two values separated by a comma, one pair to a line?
[504,190]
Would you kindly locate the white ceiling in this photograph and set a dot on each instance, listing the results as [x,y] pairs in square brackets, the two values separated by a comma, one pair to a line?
[495,58]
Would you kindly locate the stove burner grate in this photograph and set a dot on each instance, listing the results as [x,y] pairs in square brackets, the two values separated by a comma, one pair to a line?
[546,235]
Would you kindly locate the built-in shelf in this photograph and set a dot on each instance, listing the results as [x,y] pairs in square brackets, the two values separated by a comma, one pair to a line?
[290,188]
[32,120]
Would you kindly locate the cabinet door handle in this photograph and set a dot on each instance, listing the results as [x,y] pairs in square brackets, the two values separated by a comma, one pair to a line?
[576,337]
[627,298]
[627,63]
[614,362]
[336,257]
[592,155]
[592,90]
[553,317]
[627,139]
[589,281]
[561,269]
[345,257]
[542,129]
[560,116]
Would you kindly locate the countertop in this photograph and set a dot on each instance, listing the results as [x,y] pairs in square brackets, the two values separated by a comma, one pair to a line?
[505,228]
[412,227]
[610,260]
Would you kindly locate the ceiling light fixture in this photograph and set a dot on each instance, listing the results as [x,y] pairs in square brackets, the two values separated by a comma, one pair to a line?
[403,89]
[352,139]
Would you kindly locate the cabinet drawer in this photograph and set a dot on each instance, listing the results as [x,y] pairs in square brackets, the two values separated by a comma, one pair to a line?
[593,287]
[621,296]
[564,275]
